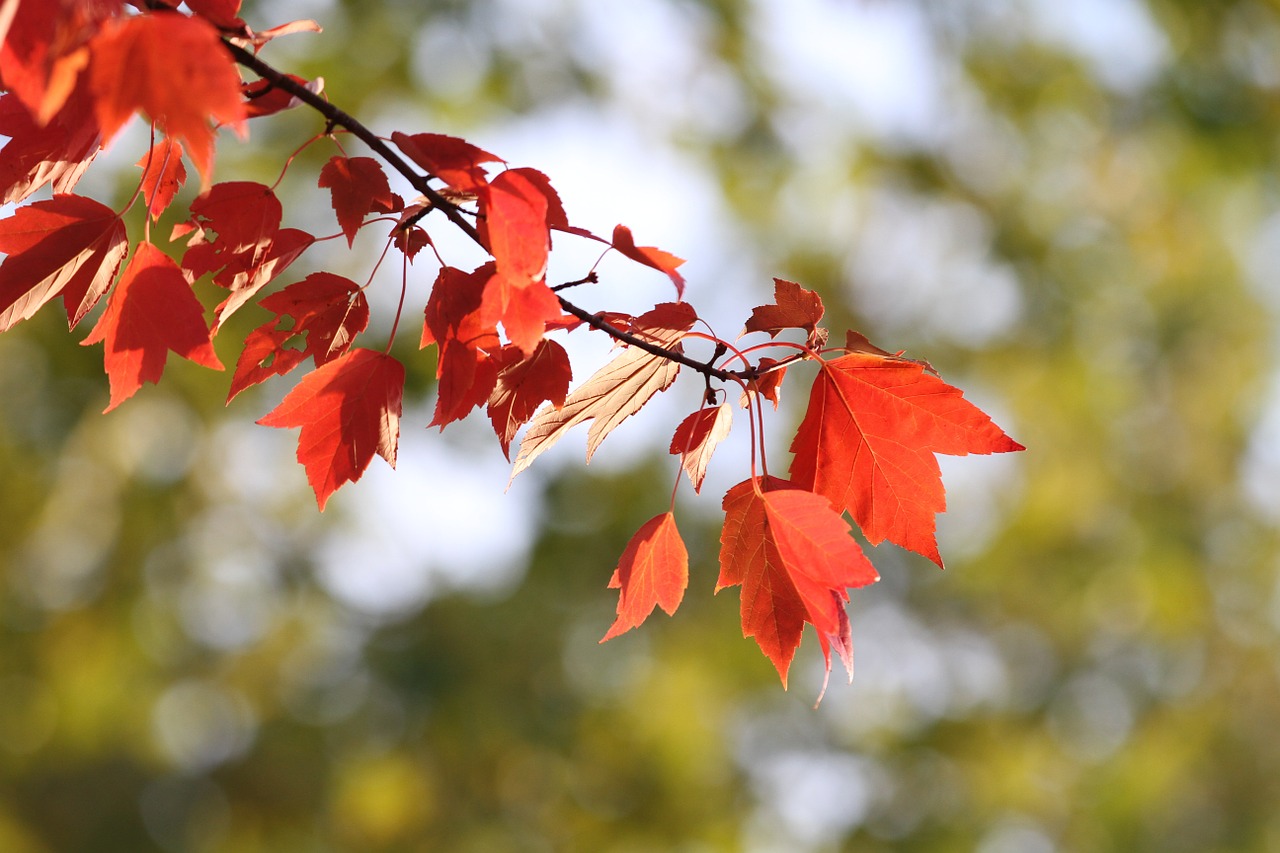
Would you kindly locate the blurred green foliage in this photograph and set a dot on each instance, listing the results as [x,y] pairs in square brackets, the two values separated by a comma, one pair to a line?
[1085,234]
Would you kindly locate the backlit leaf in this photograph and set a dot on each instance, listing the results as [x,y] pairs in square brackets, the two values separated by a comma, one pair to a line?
[653,572]
[348,410]
[357,186]
[151,313]
[162,176]
[617,390]
[649,256]
[868,439]
[525,383]
[795,558]
[696,438]
[68,245]
[173,68]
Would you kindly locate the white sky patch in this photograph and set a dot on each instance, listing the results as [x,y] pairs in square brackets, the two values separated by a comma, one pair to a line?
[819,796]
[440,521]
[869,65]
[1124,48]
[1260,465]
[676,78]
[925,267]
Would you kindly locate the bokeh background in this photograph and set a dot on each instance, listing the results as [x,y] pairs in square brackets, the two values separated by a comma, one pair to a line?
[1071,209]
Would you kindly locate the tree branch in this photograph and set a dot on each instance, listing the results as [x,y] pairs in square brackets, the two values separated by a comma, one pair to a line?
[336,117]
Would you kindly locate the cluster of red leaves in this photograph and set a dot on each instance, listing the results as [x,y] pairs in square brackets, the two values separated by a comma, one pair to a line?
[74,71]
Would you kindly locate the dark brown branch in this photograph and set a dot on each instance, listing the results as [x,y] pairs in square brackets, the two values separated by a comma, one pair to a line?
[336,117]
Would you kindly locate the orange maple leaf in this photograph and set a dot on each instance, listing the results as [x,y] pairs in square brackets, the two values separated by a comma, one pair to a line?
[176,70]
[868,439]
[68,245]
[348,410]
[696,438]
[151,313]
[653,572]
[795,559]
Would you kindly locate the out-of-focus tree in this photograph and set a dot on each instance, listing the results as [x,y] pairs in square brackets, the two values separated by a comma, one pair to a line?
[1072,206]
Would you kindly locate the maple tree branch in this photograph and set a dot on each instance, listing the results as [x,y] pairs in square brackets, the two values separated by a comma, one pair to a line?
[337,117]
[595,321]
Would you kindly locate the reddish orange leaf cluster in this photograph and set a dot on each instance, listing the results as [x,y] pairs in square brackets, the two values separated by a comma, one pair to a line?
[75,71]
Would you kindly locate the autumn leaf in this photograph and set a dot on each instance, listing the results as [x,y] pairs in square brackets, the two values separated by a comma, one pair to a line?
[264,98]
[768,384]
[57,153]
[795,558]
[67,245]
[235,234]
[464,328]
[357,186]
[659,260]
[411,240]
[43,49]
[653,572]
[265,354]
[868,439]
[696,439]
[324,311]
[221,13]
[151,313]
[525,383]
[455,161]
[617,390]
[515,219]
[162,175]
[176,70]
[348,410]
[525,312]
[793,308]
[244,216]
[556,217]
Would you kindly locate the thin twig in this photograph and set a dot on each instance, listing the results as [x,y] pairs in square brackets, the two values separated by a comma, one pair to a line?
[337,117]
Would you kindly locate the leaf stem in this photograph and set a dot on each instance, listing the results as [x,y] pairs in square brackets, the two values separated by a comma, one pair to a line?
[336,117]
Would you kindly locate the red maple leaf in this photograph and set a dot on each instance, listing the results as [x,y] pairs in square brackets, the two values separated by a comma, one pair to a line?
[696,439]
[357,186]
[235,234]
[525,383]
[324,312]
[617,390]
[42,52]
[162,175]
[221,13]
[556,217]
[795,559]
[67,245]
[455,161]
[151,312]
[56,153]
[348,410]
[464,328]
[653,572]
[264,98]
[868,439]
[649,256]
[515,224]
[411,241]
[175,69]
[244,216]
[525,312]
[793,308]
[768,384]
